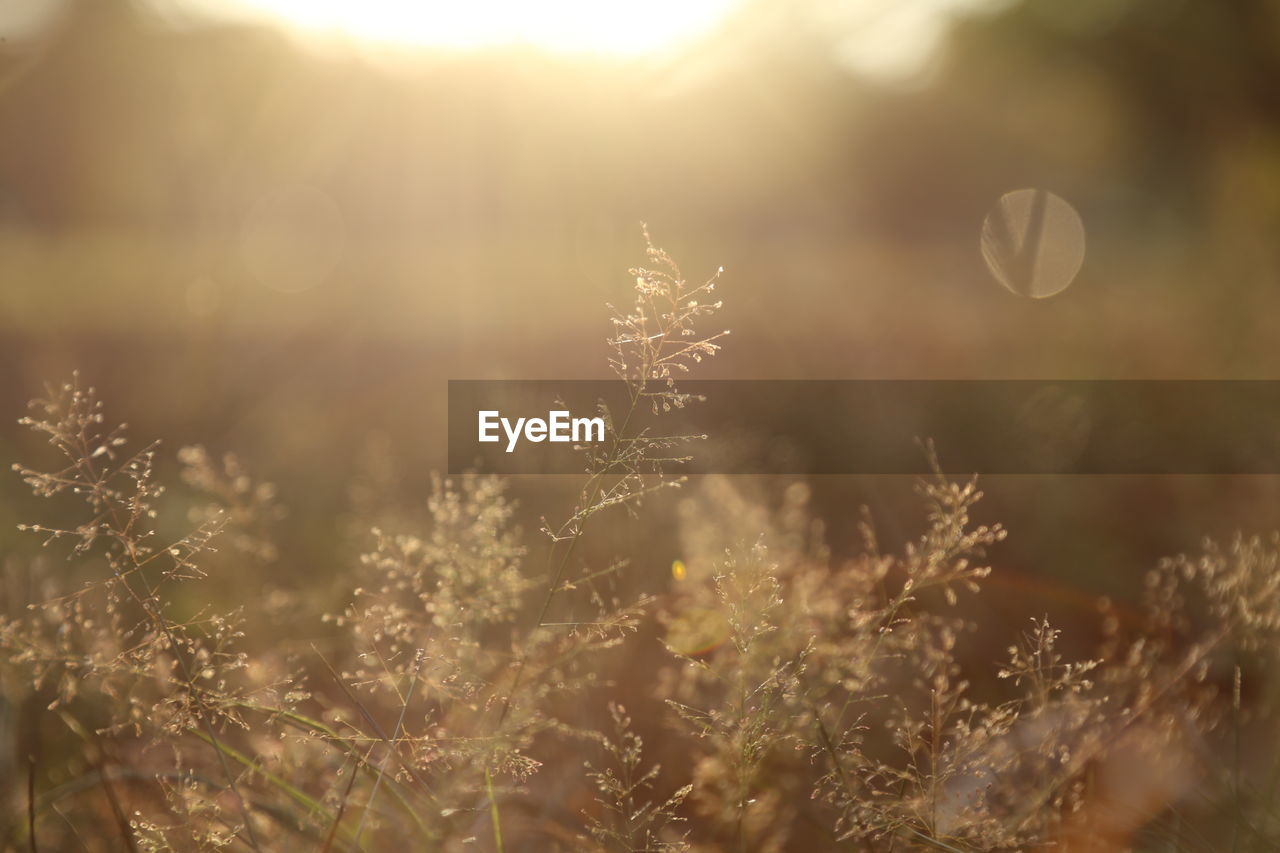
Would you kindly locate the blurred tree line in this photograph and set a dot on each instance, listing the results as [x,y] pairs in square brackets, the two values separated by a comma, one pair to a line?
[1163,109]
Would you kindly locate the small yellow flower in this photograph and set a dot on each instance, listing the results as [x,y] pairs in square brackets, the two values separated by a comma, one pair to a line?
[678,570]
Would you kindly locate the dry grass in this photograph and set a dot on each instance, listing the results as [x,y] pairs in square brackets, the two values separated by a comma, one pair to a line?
[808,702]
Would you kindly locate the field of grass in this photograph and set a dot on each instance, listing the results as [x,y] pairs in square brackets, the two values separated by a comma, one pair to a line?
[258,618]
[764,680]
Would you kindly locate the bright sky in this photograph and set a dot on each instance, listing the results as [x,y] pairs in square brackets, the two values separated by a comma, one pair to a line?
[888,39]
[590,26]
[881,38]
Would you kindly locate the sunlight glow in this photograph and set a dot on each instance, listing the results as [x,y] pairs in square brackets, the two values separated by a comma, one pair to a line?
[898,42]
[575,26]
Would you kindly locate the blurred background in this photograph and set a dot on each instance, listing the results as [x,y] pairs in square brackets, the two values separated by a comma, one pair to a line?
[278,227]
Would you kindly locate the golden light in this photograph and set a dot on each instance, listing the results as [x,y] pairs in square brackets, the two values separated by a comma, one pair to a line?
[576,26]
